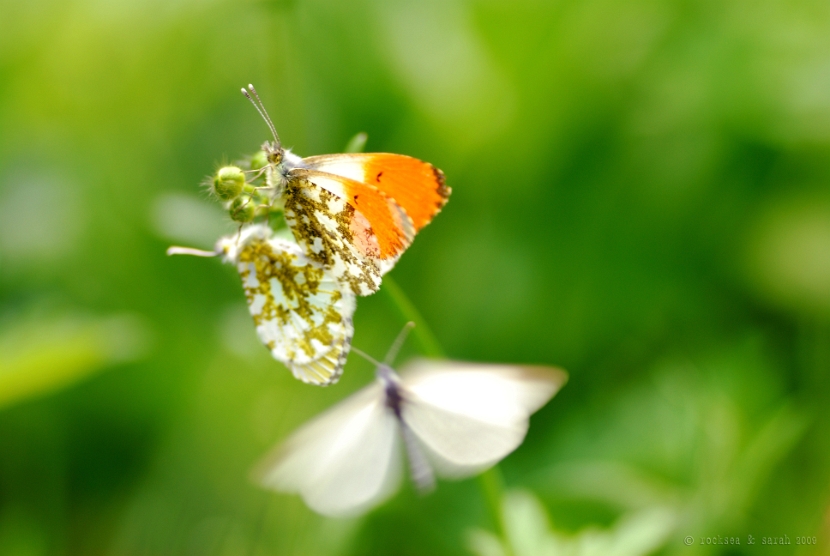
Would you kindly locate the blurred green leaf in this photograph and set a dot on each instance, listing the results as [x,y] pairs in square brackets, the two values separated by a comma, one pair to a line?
[357,143]
[789,254]
[529,533]
[42,357]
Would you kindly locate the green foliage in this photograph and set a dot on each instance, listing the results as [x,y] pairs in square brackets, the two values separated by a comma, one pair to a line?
[529,533]
[37,358]
[640,196]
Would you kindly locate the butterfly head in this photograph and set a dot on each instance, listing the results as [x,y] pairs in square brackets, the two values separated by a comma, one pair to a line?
[274,152]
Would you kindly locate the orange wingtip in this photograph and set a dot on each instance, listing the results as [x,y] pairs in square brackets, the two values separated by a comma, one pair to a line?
[415,185]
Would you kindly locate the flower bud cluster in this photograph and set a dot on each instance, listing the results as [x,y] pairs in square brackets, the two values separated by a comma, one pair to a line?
[242,188]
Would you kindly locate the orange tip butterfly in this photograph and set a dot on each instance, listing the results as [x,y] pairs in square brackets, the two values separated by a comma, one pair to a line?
[354,213]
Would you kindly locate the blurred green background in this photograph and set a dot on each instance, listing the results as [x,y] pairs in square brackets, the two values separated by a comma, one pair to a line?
[641,196]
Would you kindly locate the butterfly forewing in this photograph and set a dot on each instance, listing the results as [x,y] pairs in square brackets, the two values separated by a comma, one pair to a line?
[301,312]
[351,228]
[493,393]
[470,416]
[342,462]
[415,185]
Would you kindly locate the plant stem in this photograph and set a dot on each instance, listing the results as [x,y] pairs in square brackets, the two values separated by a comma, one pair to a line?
[490,482]
[422,331]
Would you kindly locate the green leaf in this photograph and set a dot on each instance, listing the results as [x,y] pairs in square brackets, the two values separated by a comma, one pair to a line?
[42,357]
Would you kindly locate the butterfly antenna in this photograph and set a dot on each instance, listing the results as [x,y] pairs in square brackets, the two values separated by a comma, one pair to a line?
[366,356]
[260,107]
[176,250]
[396,345]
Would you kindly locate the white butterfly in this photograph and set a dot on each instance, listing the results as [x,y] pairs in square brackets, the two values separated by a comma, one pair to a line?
[453,419]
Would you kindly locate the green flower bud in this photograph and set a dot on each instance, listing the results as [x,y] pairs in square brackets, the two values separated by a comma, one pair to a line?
[242,209]
[259,160]
[228,182]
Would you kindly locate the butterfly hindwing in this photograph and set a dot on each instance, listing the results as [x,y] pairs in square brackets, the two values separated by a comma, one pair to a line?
[301,312]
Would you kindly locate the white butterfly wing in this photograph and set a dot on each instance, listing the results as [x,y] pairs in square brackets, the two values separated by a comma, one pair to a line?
[343,462]
[469,416]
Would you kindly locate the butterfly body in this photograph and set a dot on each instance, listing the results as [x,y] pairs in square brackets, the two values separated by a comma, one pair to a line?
[393,394]
[279,163]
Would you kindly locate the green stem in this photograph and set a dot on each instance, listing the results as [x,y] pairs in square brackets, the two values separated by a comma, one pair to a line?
[401,302]
[490,482]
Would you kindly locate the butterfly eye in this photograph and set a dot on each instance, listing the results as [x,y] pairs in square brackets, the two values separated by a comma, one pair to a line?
[275,156]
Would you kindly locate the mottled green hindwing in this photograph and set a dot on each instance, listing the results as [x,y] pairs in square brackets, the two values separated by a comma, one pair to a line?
[301,312]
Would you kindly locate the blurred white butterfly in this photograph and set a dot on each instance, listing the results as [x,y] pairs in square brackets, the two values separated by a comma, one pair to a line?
[453,419]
